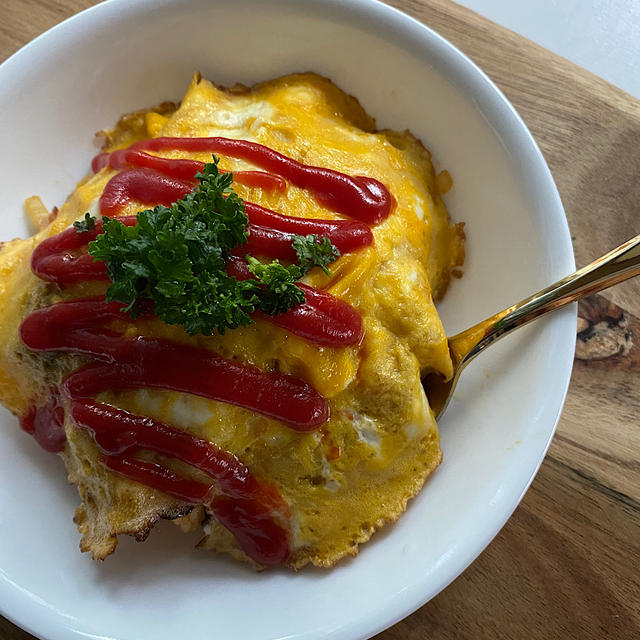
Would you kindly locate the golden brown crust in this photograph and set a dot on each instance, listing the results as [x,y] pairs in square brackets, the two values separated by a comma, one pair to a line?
[131,127]
[111,506]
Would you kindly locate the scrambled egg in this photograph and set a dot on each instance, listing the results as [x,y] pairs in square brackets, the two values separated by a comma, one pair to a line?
[358,470]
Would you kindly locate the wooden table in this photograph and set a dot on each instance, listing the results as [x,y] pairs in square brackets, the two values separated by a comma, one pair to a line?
[567,564]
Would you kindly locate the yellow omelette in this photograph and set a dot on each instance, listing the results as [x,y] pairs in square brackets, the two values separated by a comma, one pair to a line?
[355,473]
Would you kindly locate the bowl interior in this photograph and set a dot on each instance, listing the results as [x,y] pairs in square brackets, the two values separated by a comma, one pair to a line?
[121,56]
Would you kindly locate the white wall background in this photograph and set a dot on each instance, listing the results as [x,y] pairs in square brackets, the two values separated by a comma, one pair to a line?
[602,36]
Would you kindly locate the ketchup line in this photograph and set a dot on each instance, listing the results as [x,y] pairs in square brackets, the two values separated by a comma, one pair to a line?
[359,197]
[140,362]
[58,258]
[46,423]
[239,500]
[284,398]
[185,169]
[269,232]
[118,431]
[144,185]
[322,319]
[161,478]
[74,326]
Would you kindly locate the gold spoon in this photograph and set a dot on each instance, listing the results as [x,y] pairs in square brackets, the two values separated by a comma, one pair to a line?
[614,267]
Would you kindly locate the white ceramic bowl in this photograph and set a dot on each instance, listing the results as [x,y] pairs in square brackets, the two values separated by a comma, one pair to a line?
[120,56]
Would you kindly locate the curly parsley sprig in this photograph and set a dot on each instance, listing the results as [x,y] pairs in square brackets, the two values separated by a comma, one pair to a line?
[313,252]
[88,223]
[176,257]
[280,292]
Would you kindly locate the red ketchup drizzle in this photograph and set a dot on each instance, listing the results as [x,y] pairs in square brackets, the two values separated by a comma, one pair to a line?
[255,512]
[144,185]
[270,233]
[46,423]
[99,162]
[183,169]
[76,326]
[322,318]
[61,258]
[358,197]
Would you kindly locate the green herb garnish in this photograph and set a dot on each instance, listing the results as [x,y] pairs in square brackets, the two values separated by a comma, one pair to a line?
[312,252]
[280,291]
[176,257]
[88,224]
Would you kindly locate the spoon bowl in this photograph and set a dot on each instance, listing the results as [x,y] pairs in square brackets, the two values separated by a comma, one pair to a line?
[614,267]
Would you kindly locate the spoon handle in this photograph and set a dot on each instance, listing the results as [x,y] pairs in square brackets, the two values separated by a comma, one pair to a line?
[614,267]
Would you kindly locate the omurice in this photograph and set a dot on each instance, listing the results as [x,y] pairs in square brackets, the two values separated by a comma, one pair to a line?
[227,322]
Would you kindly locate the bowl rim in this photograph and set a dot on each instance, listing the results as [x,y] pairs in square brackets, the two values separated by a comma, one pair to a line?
[466,75]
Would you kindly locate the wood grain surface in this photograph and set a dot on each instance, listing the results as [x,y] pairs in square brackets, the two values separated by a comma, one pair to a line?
[567,564]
